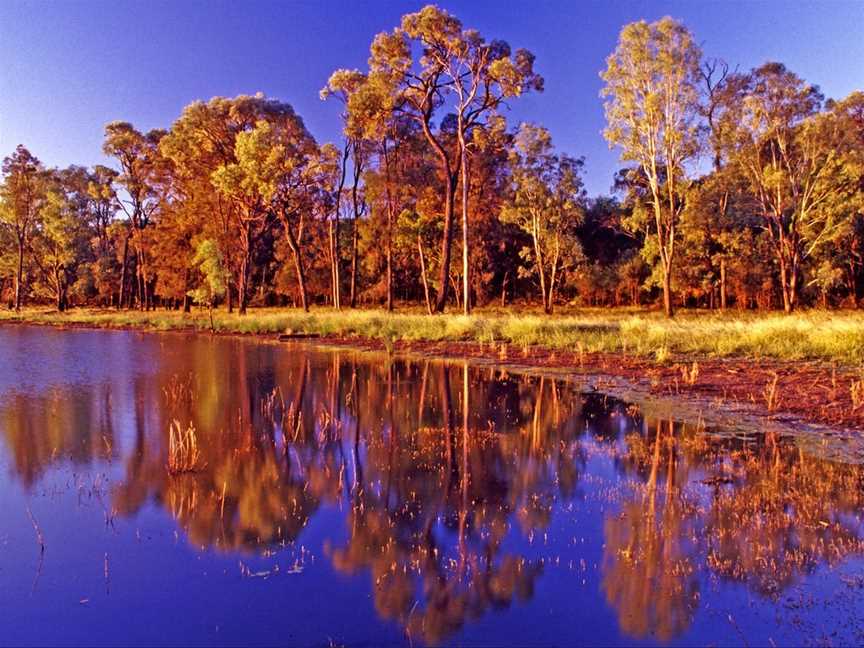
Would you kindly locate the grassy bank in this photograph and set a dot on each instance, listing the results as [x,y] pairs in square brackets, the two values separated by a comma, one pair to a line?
[835,336]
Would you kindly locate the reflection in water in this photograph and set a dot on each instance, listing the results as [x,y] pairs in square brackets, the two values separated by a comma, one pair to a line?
[445,476]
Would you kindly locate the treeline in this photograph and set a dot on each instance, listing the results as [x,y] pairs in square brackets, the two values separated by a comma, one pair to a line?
[740,188]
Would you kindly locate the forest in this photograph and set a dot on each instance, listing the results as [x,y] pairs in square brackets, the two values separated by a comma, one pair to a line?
[737,189]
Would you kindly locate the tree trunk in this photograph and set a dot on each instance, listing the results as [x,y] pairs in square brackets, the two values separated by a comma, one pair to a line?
[354,236]
[242,286]
[446,244]
[187,300]
[333,235]
[298,265]
[122,298]
[245,269]
[354,265]
[389,251]
[723,284]
[334,232]
[466,282]
[423,274]
[784,286]
[19,275]
[793,284]
[668,306]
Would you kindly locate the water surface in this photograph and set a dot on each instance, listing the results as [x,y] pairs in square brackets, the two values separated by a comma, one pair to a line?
[339,497]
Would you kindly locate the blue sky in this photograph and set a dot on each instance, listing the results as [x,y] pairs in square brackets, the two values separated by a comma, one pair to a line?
[69,67]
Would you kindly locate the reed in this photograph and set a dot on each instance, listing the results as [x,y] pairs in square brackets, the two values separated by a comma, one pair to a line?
[183,453]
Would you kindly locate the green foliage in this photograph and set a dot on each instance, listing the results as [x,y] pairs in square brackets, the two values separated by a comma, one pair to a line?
[208,261]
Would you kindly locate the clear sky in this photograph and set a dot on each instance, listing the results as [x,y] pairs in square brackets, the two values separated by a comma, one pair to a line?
[68,67]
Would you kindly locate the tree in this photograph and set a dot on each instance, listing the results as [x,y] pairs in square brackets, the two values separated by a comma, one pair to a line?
[455,64]
[24,194]
[800,165]
[60,242]
[142,171]
[343,84]
[223,142]
[208,261]
[414,229]
[273,177]
[651,111]
[547,201]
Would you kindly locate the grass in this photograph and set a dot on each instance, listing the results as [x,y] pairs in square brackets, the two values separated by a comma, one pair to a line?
[815,335]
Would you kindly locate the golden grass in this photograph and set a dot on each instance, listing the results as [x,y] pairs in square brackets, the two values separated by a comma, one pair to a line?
[183,453]
[818,335]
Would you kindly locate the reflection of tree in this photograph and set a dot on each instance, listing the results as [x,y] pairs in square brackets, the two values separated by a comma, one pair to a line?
[784,515]
[445,475]
[757,512]
[53,427]
[429,520]
[649,575]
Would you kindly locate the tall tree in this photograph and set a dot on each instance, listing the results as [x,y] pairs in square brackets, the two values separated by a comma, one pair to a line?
[547,201]
[799,166]
[23,193]
[202,143]
[272,178]
[142,168]
[457,70]
[342,85]
[60,243]
[652,106]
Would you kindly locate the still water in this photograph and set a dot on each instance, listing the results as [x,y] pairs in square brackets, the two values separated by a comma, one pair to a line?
[321,497]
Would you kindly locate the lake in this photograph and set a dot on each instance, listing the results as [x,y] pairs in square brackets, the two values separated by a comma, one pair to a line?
[181,489]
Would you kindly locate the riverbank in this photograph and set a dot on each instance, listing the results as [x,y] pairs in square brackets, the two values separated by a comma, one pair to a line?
[809,365]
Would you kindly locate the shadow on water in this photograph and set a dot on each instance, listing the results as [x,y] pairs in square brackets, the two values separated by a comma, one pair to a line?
[452,496]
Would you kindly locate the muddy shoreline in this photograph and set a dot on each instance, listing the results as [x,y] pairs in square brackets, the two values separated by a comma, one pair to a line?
[805,391]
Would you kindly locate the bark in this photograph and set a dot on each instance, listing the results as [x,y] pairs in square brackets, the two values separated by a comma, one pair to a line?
[466,279]
[122,297]
[390,209]
[187,300]
[19,274]
[668,306]
[245,267]
[358,167]
[538,256]
[334,235]
[298,265]
[354,241]
[446,245]
[451,180]
[423,274]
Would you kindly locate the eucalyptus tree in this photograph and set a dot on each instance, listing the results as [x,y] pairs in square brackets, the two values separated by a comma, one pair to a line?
[801,167]
[271,178]
[459,71]
[223,141]
[371,118]
[547,201]
[652,110]
[23,195]
[142,172]
[342,85]
[60,242]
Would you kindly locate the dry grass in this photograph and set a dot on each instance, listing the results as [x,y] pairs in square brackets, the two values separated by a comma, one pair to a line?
[822,335]
[183,453]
